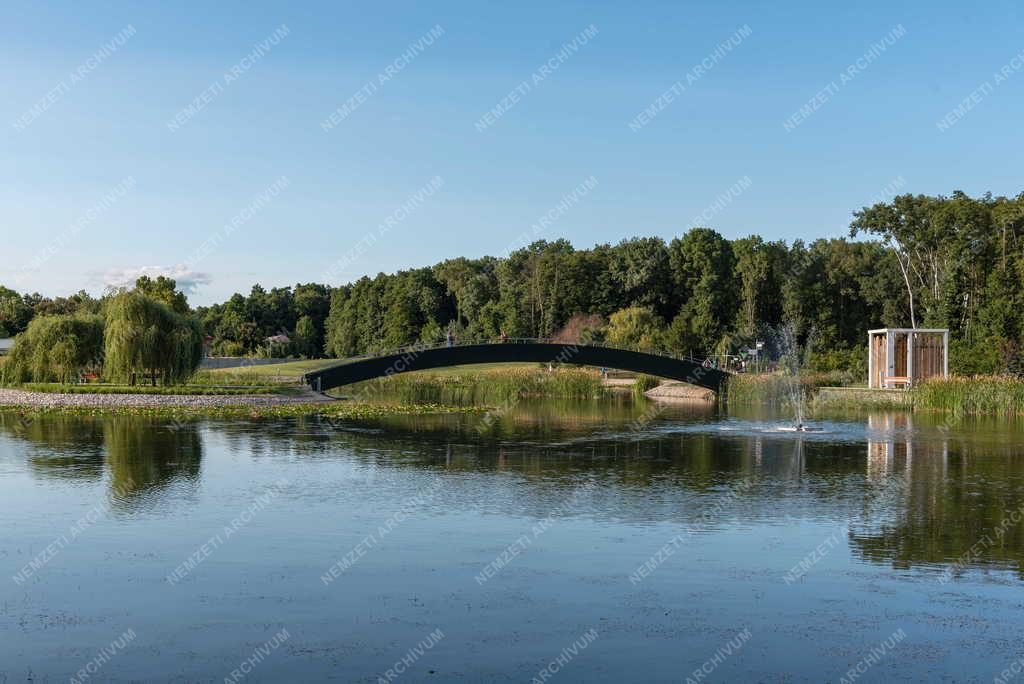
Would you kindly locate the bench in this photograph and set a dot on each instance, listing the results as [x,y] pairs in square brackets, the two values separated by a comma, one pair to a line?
[892,380]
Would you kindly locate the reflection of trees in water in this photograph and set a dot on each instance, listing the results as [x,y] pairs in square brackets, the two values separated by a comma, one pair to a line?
[958,488]
[920,491]
[142,455]
[67,447]
[146,455]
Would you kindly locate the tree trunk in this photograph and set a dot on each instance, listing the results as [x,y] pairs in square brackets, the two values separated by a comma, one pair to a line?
[910,289]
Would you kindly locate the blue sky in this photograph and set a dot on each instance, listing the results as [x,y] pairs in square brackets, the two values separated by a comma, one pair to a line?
[876,130]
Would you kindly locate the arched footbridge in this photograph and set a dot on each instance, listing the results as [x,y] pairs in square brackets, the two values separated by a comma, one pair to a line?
[682,368]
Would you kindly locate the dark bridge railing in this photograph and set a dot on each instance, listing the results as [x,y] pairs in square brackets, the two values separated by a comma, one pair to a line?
[684,368]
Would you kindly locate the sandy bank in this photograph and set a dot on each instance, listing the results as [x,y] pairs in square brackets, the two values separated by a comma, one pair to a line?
[679,390]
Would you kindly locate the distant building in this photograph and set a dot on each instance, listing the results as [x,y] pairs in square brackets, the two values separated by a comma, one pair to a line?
[5,345]
[278,339]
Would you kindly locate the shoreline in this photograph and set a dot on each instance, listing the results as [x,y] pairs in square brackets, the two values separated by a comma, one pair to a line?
[192,407]
[19,398]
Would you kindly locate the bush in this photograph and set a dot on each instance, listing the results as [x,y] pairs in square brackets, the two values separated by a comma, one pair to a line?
[230,348]
[974,359]
[850,361]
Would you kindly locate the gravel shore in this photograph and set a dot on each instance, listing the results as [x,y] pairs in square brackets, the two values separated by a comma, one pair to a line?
[21,398]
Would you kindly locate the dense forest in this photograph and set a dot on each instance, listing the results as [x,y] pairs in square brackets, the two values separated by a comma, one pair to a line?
[953,262]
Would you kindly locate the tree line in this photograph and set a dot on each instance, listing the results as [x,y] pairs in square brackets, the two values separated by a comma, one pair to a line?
[932,261]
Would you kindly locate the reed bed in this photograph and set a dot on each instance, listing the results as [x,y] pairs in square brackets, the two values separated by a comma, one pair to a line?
[775,388]
[643,383]
[855,398]
[483,387]
[988,394]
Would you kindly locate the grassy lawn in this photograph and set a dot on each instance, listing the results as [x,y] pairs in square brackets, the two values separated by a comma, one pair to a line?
[291,369]
[472,369]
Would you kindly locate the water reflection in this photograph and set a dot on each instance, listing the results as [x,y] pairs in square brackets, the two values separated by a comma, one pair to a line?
[921,489]
[60,446]
[960,487]
[147,458]
[140,457]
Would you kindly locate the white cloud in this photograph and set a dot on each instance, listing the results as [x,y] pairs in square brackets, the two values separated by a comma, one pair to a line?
[188,280]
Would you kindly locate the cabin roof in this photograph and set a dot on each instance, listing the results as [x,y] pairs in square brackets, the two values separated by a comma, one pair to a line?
[909,330]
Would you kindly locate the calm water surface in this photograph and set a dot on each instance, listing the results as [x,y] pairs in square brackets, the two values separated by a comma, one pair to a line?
[605,541]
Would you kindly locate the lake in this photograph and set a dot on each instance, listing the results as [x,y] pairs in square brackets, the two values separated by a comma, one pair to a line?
[599,541]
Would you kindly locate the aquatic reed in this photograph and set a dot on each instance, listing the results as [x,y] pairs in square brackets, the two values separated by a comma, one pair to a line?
[484,386]
[983,394]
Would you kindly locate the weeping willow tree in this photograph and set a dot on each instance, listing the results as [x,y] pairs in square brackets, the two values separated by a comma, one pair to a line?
[145,337]
[55,348]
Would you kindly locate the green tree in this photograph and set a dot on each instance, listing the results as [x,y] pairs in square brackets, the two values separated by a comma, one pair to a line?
[639,269]
[163,289]
[702,268]
[55,348]
[334,325]
[635,327]
[760,269]
[306,337]
[313,300]
[144,336]
[15,312]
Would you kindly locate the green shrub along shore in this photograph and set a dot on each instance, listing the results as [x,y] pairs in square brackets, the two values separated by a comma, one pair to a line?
[978,395]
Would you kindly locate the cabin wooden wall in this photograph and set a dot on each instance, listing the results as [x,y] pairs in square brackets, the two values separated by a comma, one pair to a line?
[899,366]
[929,356]
[879,364]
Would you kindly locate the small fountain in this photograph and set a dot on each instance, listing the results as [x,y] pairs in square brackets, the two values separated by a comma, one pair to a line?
[791,365]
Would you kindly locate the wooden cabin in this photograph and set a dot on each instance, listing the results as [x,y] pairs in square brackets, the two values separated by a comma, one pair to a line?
[902,357]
